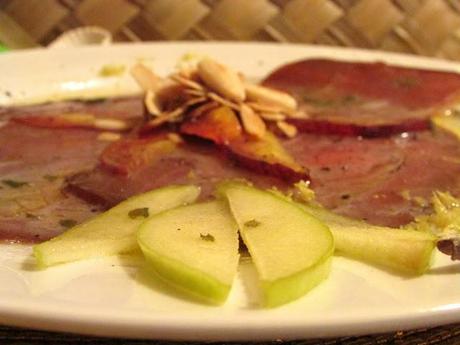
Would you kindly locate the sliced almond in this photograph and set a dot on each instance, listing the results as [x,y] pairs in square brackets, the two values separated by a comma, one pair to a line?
[111,124]
[203,109]
[108,136]
[151,103]
[194,101]
[222,80]
[252,123]
[187,72]
[165,117]
[265,95]
[288,130]
[223,101]
[192,92]
[146,78]
[272,116]
[266,108]
[299,115]
[187,82]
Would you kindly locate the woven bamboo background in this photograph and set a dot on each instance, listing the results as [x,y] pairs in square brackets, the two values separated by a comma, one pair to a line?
[425,27]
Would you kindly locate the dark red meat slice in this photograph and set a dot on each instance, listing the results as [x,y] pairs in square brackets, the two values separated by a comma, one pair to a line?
[58,152]
[34,163]
[121,108]
[196,162]
[41,224]
[385,181]
[368,99]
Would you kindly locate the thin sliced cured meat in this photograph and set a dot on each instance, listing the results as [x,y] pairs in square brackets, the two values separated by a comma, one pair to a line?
[196,162]
[385,181]
[120,108]
[34,164]
[55,151]
[368,99]
[48,221]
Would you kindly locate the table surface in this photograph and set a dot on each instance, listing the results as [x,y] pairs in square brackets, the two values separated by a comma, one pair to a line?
[449,334]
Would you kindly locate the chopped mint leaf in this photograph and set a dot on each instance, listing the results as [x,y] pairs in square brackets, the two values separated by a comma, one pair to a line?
[139,212]
[68,223]
[252,223]
[14,184]
[207,237]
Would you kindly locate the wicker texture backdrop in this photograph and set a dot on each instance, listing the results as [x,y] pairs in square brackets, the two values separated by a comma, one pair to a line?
[425,27]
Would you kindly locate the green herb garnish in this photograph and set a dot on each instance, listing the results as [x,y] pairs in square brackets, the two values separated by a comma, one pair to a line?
[14,184]
[207,237]
[139,212]
[252,223]
[68,223]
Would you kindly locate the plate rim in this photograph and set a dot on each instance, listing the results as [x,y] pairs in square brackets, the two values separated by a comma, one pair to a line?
[15,314]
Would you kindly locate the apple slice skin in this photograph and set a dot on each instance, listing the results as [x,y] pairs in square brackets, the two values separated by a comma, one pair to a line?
[112,232]
[403,250]
[287,289]
[193,248]
[286,284]
[406,251]
[186,279]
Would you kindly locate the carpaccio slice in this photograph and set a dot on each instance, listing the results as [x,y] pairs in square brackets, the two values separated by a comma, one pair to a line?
[34,163]
[52,177]
[367,99]
[119,108]
[193,161]
[384,181]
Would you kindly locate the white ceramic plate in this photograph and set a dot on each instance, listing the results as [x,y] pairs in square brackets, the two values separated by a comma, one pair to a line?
[113,297]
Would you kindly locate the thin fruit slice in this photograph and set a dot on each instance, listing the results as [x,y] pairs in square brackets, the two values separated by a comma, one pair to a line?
[265,155]
[194,248]
[112,232]
[403,250]
[291,250]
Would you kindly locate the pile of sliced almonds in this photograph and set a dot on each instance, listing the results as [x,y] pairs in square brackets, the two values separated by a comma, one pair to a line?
[210,84]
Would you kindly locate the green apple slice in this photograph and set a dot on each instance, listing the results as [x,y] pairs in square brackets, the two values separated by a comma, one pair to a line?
[290,249]
[114,231]
[403,250]
[194,248]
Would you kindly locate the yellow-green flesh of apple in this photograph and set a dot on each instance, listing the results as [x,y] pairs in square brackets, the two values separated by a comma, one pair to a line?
[403,250]
[291,250]
[194,248]
[114,231]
